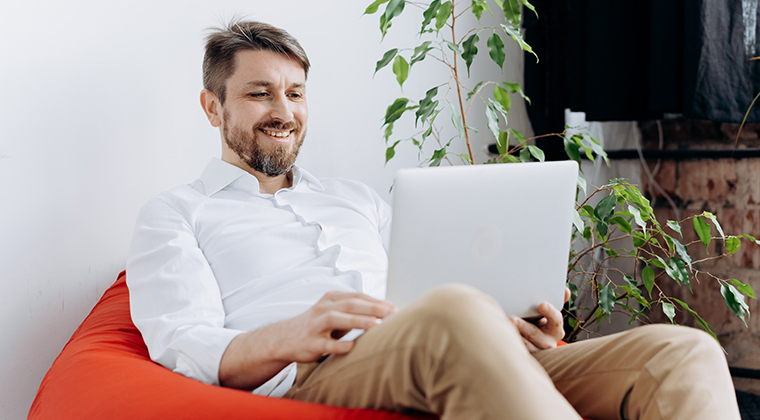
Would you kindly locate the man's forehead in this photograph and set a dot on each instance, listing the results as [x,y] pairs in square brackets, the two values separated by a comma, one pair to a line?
[266,61]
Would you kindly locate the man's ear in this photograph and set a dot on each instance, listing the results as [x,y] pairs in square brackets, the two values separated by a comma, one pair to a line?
[212,107]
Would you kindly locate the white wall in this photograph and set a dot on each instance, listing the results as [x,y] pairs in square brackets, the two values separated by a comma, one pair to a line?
[100,111]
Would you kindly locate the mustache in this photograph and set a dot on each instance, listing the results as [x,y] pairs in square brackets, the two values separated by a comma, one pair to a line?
[279,125]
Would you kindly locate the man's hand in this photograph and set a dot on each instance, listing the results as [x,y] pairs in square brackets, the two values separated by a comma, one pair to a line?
[548,331]
[254,357]
[316,332]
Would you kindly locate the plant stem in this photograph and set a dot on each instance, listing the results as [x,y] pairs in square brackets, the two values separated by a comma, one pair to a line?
[459,90]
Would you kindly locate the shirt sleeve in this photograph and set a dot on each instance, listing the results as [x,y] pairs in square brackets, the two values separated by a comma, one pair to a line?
[174,298]
[384,214]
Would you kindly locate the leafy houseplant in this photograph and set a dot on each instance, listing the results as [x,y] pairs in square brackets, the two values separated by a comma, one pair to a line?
[621,213]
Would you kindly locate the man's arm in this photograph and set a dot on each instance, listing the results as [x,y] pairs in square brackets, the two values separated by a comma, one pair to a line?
[254,357]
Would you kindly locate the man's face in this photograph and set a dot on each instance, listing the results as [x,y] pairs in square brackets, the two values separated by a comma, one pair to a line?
[265,113]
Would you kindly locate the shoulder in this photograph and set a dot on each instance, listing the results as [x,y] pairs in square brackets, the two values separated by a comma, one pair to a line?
[349,188]
[181,200]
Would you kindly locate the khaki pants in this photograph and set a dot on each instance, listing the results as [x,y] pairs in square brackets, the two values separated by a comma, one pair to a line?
[455,354]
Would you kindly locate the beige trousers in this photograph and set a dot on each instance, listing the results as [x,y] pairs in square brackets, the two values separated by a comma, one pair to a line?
[454,353]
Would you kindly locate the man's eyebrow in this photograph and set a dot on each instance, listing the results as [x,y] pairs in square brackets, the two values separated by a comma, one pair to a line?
[265,83]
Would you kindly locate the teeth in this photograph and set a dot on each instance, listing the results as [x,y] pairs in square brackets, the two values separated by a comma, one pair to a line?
[281,134]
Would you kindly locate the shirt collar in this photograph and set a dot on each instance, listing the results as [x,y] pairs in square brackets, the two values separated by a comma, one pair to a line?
[219,174]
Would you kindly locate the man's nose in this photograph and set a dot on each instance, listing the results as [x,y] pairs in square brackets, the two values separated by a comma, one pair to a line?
[281,108]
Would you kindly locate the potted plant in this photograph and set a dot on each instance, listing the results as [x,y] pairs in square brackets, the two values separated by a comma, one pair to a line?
[619,213]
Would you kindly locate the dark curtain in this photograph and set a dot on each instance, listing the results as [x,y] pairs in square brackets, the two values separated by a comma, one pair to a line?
[637,60]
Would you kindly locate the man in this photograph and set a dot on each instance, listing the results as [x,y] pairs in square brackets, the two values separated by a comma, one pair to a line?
[250,276]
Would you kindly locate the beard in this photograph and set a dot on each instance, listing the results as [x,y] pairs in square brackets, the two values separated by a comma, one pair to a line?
[246,144]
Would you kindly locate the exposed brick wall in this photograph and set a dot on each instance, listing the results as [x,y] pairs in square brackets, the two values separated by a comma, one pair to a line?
[730,189]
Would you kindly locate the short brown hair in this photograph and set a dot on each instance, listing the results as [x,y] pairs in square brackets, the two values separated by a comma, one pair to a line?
[222,44]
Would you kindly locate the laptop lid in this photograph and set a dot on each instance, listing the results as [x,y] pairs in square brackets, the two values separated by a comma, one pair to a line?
[504,229]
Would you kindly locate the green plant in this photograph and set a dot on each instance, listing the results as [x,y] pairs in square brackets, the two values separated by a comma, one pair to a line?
[598,290]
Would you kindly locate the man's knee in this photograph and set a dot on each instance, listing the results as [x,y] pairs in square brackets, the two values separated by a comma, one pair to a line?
[457,301]
[677,340]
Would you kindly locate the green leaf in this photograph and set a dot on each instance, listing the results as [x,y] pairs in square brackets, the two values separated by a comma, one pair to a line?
[429,14]
[395,110]
[571,149]
[470,50]
[401,70]
[735,302]
[510,159]
[516,88]
[529,6]
[744,288]
[669,310]
[622,223]
[456,120]
[605,208]
[475,89]
[647,276]
[682,252]
[514,32]
[420,52]
[478,7]
[372,8]
[699,319]
[493,124]
[502,142]
[388,132]
[512,11]
[524,155]
[607,299]
[427,105]
[502,97]
[675,226]
[581,182]
[387,57]
[577,221]
[444,12]
[454,47]
[536,153]
[496,50]
[751,238]
[732,244]
[637,216]
[712,218]
[676,269]
[438,156]
[517,135]
[394,8]
[703,231]
[390,152]
[573,291]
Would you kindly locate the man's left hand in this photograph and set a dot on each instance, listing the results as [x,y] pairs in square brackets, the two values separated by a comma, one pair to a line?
[547,331]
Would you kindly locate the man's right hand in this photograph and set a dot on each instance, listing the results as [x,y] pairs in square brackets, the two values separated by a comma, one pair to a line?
[254,357]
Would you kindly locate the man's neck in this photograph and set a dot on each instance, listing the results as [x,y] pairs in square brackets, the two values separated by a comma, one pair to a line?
[267,184]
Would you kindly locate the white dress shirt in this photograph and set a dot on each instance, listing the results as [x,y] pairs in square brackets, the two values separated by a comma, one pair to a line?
[215,258]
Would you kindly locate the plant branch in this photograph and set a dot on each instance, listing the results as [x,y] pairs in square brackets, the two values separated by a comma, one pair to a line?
[459,90]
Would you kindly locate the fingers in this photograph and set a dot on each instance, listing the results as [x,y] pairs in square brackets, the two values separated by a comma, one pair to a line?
[567,294]
[546,333]
[355,303]
[533,336]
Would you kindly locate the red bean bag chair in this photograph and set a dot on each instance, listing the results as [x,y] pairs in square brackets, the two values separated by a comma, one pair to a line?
[104,372]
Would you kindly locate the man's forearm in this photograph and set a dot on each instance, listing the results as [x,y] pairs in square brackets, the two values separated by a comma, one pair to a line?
[251,359]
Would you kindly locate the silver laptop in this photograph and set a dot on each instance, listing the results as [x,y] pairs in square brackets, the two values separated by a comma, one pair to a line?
[504,229]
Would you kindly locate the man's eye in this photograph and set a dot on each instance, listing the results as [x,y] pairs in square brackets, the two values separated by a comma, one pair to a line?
[296,95]
[258,95]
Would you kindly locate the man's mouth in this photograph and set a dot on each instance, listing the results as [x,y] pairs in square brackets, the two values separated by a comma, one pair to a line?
[278,134]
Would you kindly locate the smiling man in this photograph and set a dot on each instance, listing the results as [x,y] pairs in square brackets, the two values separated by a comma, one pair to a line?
[259,276]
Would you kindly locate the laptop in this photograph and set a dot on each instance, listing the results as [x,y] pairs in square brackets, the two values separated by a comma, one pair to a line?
[504,229]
